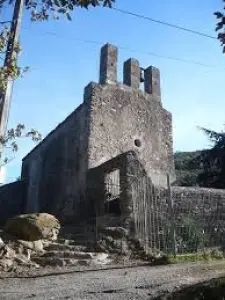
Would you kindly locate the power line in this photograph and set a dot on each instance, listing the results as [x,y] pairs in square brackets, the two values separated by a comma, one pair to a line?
[196,32]
[5,22]
[123,48]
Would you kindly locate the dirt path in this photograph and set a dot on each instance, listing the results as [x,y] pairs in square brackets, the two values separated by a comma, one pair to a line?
[123,284]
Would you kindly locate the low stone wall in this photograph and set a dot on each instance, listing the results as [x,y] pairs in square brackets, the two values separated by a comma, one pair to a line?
[201,201]
[199,215]
[11,200]
[194,200]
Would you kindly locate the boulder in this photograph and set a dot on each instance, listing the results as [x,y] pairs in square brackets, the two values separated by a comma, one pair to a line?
[33,227]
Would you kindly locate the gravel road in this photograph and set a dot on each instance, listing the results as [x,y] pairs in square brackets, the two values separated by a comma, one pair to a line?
[123,284]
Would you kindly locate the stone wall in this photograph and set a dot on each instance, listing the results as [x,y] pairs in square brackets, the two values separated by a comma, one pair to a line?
[136,197]
[194,200]
[208,205]
[114,118]
[198,209]
[99,189]
[55,171]
[123,119]
[11,200]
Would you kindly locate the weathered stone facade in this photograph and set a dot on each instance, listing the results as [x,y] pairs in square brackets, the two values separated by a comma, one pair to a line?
[11,200]
[114,118]
[127,200]
[55,171]
[109,162]
[125,118]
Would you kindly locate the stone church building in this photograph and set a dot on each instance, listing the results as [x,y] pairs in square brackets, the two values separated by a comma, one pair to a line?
[114,118]
[109,161]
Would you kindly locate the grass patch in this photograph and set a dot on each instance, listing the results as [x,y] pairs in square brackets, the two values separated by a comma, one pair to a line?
[194,257]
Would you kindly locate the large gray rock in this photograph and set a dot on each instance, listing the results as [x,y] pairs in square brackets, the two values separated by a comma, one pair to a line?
[33,227]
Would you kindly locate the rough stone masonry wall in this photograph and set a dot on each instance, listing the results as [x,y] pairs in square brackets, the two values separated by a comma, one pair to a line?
[121,115]
[11,200]
[98,188]
[125,118]
[138,206]
[55,171]
[206,207]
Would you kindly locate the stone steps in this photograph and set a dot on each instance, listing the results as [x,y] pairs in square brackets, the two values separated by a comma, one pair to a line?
[69,257]
[68,254]
[75,248]
[77,230]
[59,262]
[64,247]
[81,244]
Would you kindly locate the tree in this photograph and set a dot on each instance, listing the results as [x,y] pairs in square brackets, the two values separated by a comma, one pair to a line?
[12,70]
[40,10]
[10,141]
[213,161]
[43,9]
[205,168]
[220,27]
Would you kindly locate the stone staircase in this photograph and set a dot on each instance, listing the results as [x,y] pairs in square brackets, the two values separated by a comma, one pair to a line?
[75,247]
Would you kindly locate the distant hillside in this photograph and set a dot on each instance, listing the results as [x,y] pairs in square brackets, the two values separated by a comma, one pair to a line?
[188,166]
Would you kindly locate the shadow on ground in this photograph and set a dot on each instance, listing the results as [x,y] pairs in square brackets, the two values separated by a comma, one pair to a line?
[213,289]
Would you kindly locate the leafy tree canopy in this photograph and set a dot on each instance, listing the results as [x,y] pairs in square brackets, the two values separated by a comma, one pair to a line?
[43,9]
[213,174]
[11,138]
[204,168]
[220,27]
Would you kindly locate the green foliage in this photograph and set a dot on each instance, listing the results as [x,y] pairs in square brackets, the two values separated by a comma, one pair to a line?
[40,10]
[189,235]
[11,70]
[213,174]
[187,160]
[43,9]
[198,256]
[204,168]
[220,27]
[10,140]
[188,166]
[186,178]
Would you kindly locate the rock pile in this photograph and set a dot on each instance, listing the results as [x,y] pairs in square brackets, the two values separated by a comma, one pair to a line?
[25,236]
[119,241]
[32,241]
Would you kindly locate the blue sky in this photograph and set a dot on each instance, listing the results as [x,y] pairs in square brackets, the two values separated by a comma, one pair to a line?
[61,64]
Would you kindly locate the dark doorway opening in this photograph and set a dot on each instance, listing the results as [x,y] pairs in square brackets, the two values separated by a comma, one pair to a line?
[113,207]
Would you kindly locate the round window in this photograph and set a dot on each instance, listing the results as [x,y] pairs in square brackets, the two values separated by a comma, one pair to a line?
[137,143]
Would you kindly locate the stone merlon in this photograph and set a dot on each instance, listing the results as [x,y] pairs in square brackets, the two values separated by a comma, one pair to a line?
[108,64]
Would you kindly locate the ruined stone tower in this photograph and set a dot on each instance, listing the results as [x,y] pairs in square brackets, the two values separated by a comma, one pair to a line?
[114,118]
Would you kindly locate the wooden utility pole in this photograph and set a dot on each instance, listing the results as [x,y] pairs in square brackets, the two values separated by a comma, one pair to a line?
[6,94]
